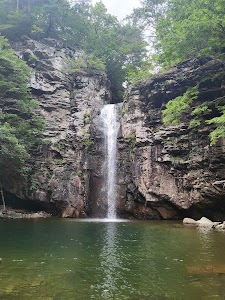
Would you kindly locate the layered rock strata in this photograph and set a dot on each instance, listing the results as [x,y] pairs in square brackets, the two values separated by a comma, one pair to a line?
[164,172]
[65,167]
[170,171]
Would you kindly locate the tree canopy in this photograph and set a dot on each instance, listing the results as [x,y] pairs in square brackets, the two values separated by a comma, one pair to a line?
[183,28]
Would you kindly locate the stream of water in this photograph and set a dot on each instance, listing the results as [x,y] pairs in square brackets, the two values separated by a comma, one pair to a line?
[110,128]
[74,260]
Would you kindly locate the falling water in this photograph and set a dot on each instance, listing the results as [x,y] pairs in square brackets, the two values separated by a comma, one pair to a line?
[110,127]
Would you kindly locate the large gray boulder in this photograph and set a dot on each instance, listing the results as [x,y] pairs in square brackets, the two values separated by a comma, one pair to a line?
[204,222]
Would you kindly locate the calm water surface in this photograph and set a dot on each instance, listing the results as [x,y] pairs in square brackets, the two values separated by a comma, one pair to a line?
[69,259]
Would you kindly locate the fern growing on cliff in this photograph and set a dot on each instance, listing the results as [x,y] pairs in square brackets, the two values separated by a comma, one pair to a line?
[181,104]
[219,131]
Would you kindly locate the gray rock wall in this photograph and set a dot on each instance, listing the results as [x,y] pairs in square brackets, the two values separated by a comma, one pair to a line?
[170,171]
[70,104]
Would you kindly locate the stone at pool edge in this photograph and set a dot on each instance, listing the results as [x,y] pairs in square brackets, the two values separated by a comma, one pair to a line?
[220,226]
[204,222]
[189,221]
[10,214]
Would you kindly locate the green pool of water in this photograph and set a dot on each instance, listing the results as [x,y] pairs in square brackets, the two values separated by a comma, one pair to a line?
[69,259]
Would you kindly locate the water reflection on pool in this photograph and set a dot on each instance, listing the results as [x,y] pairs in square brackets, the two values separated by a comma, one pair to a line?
[91,259]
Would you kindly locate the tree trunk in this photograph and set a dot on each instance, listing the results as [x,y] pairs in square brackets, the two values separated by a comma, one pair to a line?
[3,199]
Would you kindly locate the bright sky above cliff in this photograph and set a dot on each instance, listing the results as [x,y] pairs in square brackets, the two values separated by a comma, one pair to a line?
[120,8]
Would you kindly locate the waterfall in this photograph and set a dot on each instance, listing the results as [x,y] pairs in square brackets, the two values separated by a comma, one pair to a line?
[110,128]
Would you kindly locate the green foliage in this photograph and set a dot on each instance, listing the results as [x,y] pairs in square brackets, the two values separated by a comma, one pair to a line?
[33,183]
[132,139]
[190,28]
[95,63]
[84,63]
[14,73]
[13,154]
[136,75]
[183,28]
[79,173]
[216,134]
[176,107]
[219,132]
[75,65]
[201,110]
[87,118]
[194,123]
[20,129]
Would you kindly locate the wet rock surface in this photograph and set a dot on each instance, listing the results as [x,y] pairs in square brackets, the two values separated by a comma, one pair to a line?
[169,172]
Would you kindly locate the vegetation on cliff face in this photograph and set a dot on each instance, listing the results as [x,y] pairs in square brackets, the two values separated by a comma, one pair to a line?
[183,29]
[120,47]
[20,129]
[178,106]
[198,112]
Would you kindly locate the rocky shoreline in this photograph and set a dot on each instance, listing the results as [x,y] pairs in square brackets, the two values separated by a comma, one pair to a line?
[12,214]
[204,222]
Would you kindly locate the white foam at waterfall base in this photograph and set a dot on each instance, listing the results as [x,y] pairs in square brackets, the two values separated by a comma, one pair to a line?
[110,127]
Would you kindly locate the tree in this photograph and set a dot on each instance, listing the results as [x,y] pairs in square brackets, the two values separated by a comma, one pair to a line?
[191,28]
[119,46]
[184,28]
[20,128]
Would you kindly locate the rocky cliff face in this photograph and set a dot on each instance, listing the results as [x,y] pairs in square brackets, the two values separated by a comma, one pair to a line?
[170,171]
[67,165]
[164,172]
